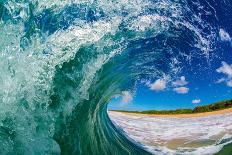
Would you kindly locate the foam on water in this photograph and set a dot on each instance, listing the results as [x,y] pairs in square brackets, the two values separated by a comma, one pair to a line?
[62,61]
[157,132]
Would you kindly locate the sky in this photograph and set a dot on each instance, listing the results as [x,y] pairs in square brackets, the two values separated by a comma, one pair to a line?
[198,84]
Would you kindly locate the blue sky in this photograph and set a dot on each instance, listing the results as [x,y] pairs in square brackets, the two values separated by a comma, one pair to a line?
[146,99]
[199,83]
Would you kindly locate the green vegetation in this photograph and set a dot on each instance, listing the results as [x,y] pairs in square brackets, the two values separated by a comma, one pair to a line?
[226,150]
[199,109]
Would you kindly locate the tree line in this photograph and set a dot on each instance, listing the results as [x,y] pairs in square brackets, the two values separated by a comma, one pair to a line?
[199,109]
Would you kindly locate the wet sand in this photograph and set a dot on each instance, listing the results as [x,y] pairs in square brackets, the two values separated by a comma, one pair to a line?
[219,112]
[173,134]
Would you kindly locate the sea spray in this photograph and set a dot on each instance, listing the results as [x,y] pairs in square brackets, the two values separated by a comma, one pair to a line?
[62,61]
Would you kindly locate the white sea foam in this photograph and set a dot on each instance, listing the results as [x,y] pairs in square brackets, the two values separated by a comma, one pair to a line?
[157,132]
[28,64]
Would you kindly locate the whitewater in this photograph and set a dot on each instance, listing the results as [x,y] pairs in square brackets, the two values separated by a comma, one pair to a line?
[194,135]
[62,61]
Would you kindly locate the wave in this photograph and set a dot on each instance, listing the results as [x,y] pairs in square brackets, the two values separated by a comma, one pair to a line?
[200,135]
[63,61]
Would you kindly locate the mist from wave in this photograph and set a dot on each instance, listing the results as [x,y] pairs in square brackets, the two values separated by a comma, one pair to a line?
[62,61]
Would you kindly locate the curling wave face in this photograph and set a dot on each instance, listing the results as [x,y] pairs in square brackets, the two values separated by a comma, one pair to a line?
[62,61]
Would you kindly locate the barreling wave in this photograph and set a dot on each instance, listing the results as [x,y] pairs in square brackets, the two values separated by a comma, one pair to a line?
[61,62]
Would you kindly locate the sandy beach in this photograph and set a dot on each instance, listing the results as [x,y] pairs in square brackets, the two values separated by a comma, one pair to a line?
[219,112]
[201,133]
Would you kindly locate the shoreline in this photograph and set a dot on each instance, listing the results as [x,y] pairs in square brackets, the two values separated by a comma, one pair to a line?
[196,135]
[218,112]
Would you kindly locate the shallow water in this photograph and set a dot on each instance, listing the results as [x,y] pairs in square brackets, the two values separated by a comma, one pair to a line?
[196,135]
[61,62]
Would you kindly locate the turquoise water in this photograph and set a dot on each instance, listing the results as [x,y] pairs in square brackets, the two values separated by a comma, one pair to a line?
[61,62]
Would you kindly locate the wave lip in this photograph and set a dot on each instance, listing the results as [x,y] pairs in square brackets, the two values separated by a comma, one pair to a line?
[62,61]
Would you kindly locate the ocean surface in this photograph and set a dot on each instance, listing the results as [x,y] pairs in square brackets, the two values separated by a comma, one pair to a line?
[62,61]
[162,135]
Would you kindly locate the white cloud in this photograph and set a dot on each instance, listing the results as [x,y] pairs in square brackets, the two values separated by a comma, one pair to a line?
[126,97]
[180,82]
[229,83]
[180,85]
[158,85]
[227,70]
[224,35]
[196,101]
[181,90]
[221,80]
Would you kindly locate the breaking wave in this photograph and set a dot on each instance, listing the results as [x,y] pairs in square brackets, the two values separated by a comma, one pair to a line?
[61,62]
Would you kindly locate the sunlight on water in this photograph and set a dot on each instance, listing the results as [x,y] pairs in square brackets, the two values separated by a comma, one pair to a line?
[61,62]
